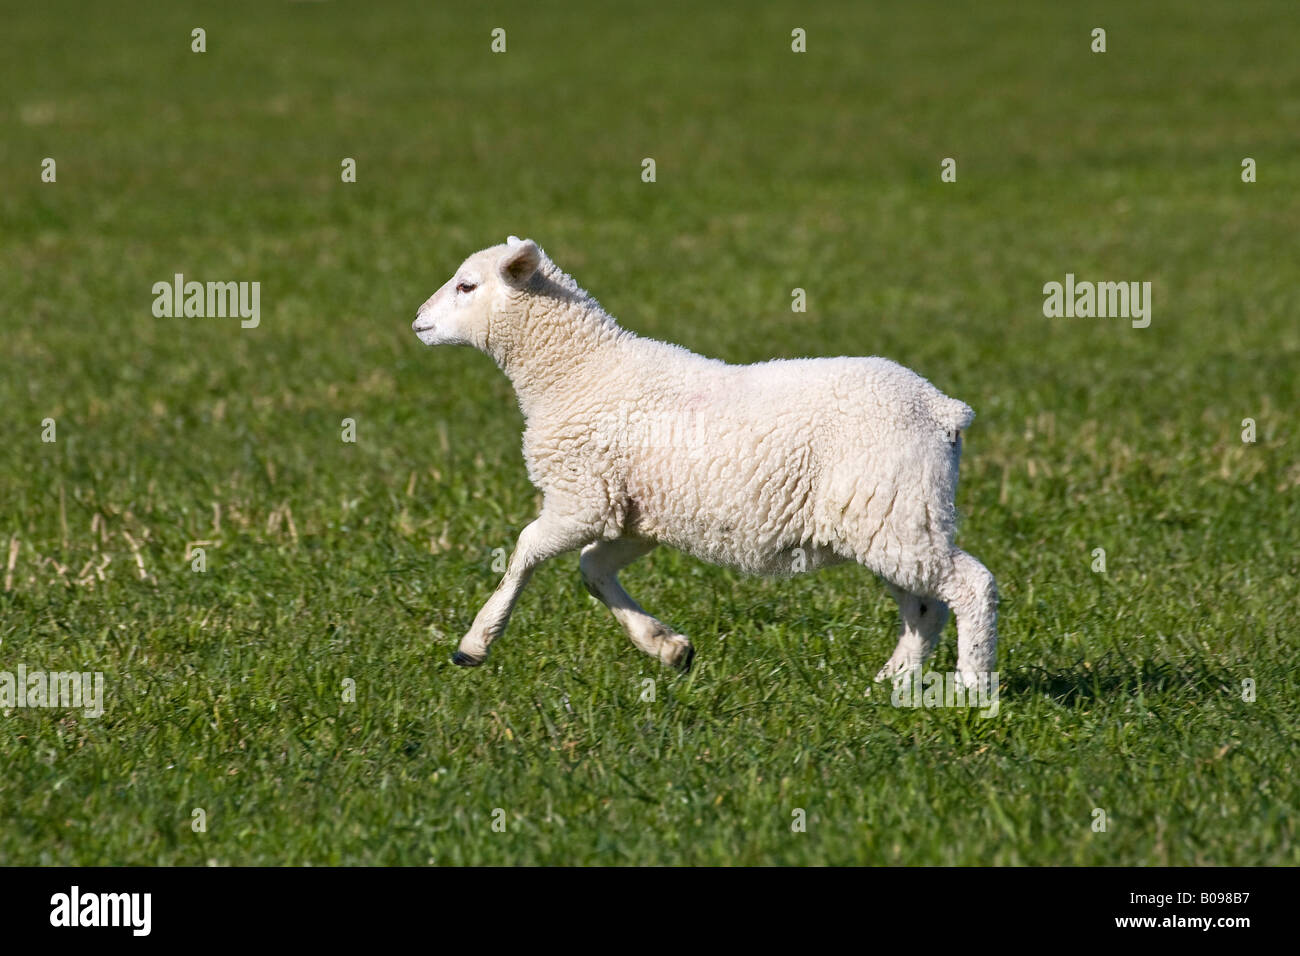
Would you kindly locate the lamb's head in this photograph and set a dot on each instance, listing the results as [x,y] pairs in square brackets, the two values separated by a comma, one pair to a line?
[487,283]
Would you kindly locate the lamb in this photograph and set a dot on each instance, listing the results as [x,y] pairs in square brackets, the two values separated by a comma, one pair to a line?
[771,468]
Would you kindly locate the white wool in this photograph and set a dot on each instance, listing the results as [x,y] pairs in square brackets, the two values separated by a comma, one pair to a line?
[770,468]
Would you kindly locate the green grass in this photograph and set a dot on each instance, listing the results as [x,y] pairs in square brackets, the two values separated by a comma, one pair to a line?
[1121,691]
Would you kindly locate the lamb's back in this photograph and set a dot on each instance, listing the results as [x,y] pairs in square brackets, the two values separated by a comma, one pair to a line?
[729,462]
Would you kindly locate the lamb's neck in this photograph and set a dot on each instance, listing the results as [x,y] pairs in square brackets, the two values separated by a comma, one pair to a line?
[552,347]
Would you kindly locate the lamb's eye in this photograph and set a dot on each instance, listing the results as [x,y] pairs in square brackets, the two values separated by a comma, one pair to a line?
[466,287]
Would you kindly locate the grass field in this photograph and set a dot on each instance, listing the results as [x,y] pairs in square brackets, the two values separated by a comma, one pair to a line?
[328,561]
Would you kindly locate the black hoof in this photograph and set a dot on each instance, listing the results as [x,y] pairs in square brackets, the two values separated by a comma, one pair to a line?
[462,659]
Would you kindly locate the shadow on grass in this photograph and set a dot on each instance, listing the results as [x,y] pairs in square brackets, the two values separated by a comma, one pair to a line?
[1114,676]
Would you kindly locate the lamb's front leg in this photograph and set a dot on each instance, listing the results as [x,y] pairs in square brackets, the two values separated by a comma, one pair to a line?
[600,563]
[544,538]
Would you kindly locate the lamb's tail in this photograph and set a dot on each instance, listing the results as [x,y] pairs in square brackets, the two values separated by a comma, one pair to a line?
[952,414]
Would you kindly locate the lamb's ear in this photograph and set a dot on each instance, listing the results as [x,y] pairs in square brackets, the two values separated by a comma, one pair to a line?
[520,262]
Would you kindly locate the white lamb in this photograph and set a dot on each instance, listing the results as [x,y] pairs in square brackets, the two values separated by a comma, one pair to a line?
[770,468]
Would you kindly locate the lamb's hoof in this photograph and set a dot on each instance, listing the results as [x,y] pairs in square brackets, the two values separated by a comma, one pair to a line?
[677,652]
[973,681]
[896,669]
[462,659]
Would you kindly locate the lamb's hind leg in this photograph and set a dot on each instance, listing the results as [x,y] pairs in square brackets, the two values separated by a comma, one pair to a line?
[600,563]
[922,620]
[968,588]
